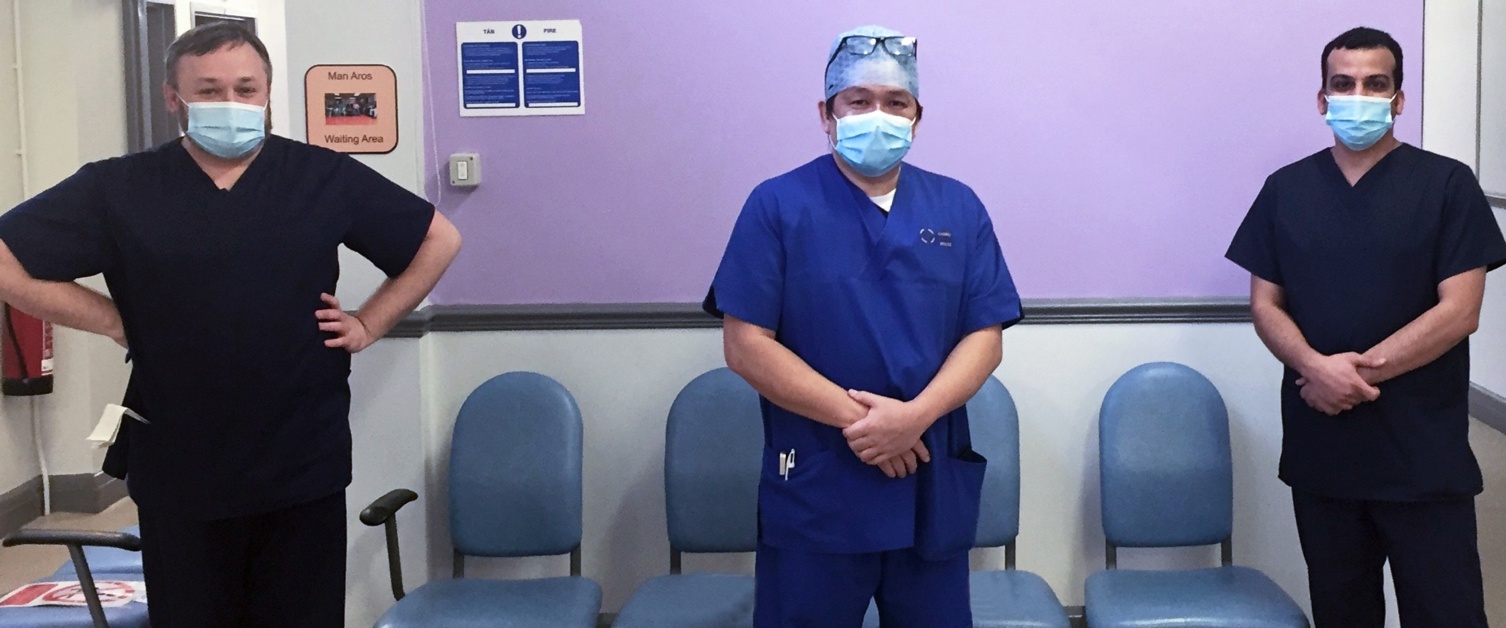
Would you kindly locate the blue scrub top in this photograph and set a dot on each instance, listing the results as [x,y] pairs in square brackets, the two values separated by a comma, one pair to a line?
[1357,263]
[217,290]
[872,302]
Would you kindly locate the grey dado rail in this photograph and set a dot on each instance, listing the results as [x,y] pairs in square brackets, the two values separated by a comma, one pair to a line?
[458,318]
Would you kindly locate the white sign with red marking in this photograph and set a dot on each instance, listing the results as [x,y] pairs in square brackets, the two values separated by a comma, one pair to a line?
[112,594]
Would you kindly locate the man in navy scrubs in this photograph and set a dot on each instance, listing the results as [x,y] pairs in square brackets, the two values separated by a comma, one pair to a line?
[864,298]
[220,253]
[1368,264]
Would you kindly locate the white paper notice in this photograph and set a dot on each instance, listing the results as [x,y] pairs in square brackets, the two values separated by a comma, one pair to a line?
[109,425]
[520,68]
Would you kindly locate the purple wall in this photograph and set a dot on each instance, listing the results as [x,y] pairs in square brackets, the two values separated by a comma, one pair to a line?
[1117,144]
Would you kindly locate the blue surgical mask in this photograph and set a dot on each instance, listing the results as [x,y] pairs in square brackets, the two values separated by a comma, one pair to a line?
[873,143]
[228,130]
[1359,121]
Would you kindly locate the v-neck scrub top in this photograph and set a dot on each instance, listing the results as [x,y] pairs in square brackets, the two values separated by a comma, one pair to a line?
[872,302]
[1358,263]
[218,291]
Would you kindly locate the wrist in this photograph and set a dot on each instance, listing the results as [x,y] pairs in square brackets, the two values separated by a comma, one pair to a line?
[850,413]
[1307,362]
[365,327]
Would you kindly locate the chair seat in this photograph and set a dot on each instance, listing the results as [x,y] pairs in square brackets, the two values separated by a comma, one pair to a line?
[690,601]
[132,615]
[107,562]
[1005,599]
[470,602]
[1014,599]
[1222,597]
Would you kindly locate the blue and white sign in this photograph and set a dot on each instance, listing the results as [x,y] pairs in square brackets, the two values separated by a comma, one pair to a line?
[531,68]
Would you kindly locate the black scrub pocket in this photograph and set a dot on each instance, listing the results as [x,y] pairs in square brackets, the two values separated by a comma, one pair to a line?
[946,509]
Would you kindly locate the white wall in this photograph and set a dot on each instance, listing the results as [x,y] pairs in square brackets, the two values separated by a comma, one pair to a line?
[1488,345]
[388,380]
[1490,448]
[389,33]
[389,441]
[1452,85]
[74,93]
[1493,98]
[1449,83]
[18,460]
[1489,357]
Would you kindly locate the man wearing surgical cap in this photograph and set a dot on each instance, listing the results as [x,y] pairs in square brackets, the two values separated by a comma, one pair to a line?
[863,297]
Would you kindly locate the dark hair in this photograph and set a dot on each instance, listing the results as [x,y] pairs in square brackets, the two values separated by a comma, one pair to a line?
[202,40]
[1364,38]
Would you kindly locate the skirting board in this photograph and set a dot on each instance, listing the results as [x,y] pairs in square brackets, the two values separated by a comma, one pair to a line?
[21,505]
[83,492]
[1487,407]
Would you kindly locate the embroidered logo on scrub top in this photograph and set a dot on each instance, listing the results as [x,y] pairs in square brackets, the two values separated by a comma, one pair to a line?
[931,236]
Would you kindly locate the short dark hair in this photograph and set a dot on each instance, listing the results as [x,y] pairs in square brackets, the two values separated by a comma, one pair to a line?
[207,38]
[1364,38]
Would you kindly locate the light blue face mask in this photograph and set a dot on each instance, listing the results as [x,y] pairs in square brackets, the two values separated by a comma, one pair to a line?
[873,143]
[228,130]
[1359,121]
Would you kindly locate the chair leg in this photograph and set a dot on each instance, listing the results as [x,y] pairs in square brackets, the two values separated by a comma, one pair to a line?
[86,582]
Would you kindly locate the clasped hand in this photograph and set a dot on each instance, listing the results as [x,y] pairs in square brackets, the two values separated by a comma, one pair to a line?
[888,436]
[1337,383]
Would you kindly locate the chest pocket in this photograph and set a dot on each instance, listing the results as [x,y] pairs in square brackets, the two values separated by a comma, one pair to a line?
[929,256]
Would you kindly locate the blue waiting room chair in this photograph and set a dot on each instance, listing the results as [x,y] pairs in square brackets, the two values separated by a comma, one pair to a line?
[103,555]
[1167,480]
[515,490]
[712,454]
[1007,598]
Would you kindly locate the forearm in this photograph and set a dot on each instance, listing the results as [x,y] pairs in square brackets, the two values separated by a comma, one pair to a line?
[62,302]
[71,305]
[397,296]
[788,382]
[1423,340]
[966,368]
[1282,337]
[1439,329]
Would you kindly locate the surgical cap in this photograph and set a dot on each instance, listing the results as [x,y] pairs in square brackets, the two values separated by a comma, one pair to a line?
[879,68]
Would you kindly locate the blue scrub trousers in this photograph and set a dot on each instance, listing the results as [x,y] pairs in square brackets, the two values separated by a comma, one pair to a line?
[808,590]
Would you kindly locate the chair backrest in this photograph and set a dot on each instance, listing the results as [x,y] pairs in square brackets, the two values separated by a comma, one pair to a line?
[1166,474]
[713,449]
[515,469]
[995,426]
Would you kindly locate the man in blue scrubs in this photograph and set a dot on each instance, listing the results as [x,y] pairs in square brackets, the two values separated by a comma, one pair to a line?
[1367,263]
[220,252]
[864,298]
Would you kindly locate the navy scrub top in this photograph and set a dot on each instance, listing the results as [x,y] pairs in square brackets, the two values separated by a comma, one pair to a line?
[875,303]
[1357,264]
[217,289]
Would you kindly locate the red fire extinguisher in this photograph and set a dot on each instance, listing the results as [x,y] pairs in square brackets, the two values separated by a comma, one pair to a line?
[27,354]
